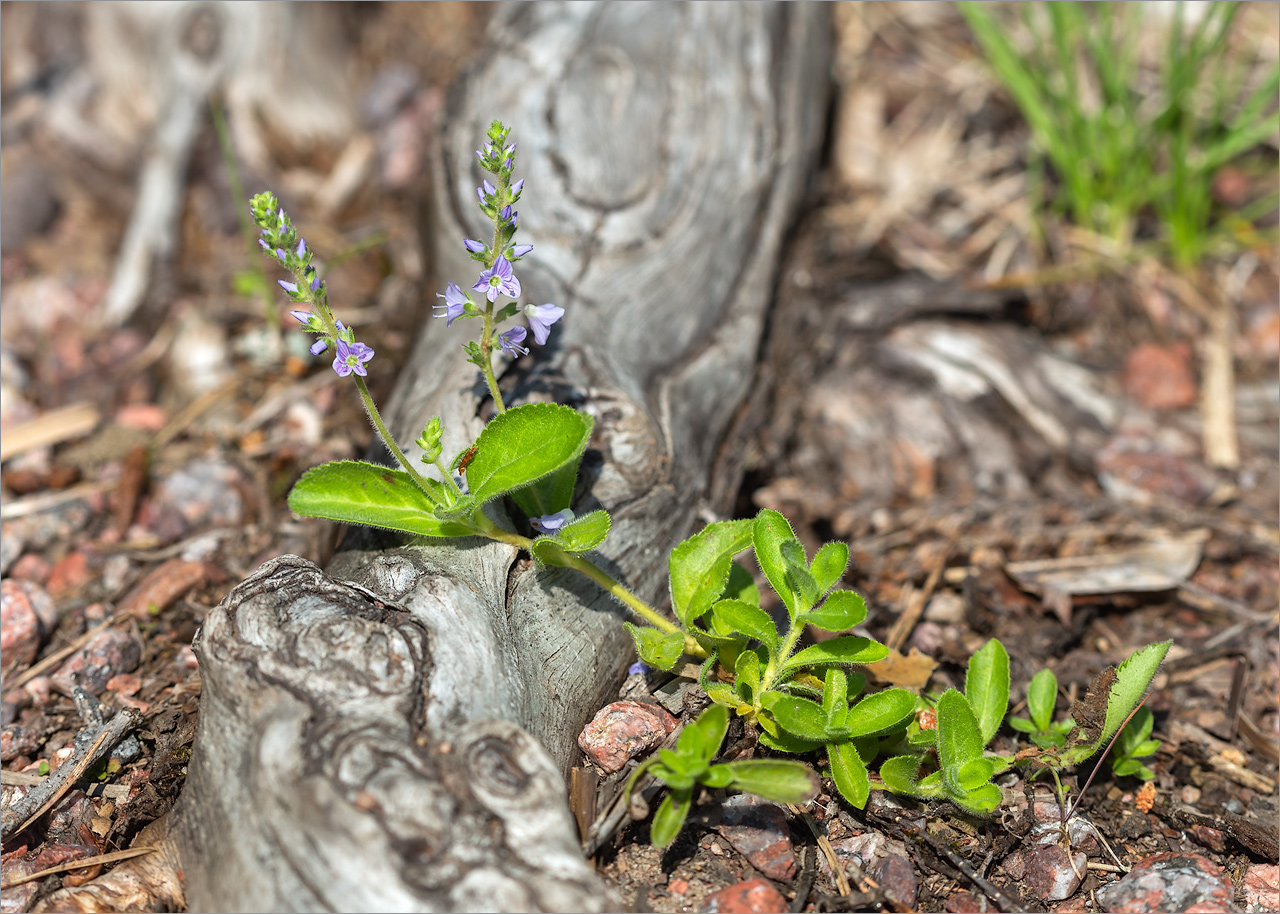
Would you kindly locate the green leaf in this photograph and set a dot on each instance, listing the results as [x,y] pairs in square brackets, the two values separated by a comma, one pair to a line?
[769,532]
[986,686]
[779,780]
[845,649]
[1042,696]
[1024,725]
[1127,690]
[746,672]
[774,737]
[672,771]
[849,773]
[880,713]
[842,611]
[741,585]
[704,736]
[669,818]
[658,649]
[1136,732]
[579,535]
[752,621]
[959,739]
[981,801]
[974,773]
[899,773]
[835,698]
[801,581]
[524,444]
[550,493]
[829,564]
[798,716]
[717,776]
[355,492]
[699,567]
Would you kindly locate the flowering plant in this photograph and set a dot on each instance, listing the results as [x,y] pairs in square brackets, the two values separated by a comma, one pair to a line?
[798,700]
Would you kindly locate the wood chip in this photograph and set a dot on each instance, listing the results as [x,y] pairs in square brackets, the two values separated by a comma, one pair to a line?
[53,427]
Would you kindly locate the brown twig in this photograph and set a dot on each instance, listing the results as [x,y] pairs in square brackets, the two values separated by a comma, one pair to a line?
[80,864]
[62,653]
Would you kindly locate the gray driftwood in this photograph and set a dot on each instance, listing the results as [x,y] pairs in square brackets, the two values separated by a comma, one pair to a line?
[392,733]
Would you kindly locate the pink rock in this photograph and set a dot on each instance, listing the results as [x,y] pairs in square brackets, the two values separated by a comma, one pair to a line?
[146,417]
[1262,887]
[30,567]
[1160,377]
[758,830]
[1170,881]
[883,859]
[108,653]
[1050,874]
[966,903]
[27,614]
[755,896]
[69,575]
[897,878]
[623,730]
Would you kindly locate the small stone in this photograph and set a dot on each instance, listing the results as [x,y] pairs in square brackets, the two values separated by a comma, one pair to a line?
[18,740]
[124,684]
[758,830]
[966,903]
[1171,881]
[1052,875]
[108,653]
[897,878]
[678,886]
[1137,467]
[755,896]
[31,567]
[146,417]
[1160,377]
[623,730]
[1209,837]
[1262,887]
[27,614]
[69,575]
[203,494]
[163,587]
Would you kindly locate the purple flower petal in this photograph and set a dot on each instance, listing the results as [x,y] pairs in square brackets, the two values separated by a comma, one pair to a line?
[290,287]
[315,282]
[519,250]
[304,317]
[540,318]
[550,523]
[515,188]
[637,667]
[266,247]
[475,247]
[302,247]
[511,340]
[489,189]
[319,346]
[455,304]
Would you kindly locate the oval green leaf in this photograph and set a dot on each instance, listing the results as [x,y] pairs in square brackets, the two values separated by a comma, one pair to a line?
[355,492]
[799,716]
[669,818]
[986,686]
[769,532]
[849,773]
[752,621]
[524,444]
[658,649]
[699,567]
[842,611]
[829,564]
[880,713]
[779,780]
[846,649]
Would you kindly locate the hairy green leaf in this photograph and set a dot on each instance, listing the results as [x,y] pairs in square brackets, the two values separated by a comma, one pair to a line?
[1042,696]
[752,621]
[699,567]
[579,535]
[549,494]
[798,716]
[746,672]
[355,492]
[669,818]
[959,739]
[705,734]
[849,773]
[524,444]
[845,649]
[828,566]
[899,773]
[842,611]
[881,712]
[835,698]
[741,585]
[779,780]
[659,650]
[986,686]
[769,532]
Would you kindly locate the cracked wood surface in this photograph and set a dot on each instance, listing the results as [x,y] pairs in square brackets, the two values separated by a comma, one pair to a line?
[393,734]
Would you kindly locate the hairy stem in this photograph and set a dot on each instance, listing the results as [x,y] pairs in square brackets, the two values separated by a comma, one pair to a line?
[375,417]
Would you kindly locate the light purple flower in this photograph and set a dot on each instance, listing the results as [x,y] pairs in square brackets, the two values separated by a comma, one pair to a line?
[507,163]
[475,247]
[281,255]
[319,346]
[638,667]
[350,357]
[540,318]
[302,246]
[500,279]
[304,317]
[515,188]
[511,340]
[315,281]
[550,523]
[509,216]
[519,250]
[290,287]
[266,247]
[455,304]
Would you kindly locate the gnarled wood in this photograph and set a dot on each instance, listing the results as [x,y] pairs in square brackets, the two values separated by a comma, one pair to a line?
[392,735]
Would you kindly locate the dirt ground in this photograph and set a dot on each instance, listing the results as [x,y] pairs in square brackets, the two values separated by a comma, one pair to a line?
[145,465]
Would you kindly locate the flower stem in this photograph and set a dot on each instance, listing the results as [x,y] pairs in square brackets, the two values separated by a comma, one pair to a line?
[784,651]
[375,417]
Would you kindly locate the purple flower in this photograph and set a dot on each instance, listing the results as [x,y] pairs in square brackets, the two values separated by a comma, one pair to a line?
[350,357]
[304,317]
[550,523]
[500,279]
[455,304]
[266,247]
[290,287]
[511,340]
[319,346]
[519,250]
[315,281]
[637,667]
[509,216]
[515,188]
[541,317]
[475,247]
[281,255]
[507,163]
[302,246]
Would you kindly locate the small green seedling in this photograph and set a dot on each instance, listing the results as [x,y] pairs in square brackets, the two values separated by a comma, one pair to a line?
[686,766]
[1042,697]
[1134,743]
